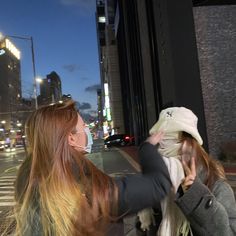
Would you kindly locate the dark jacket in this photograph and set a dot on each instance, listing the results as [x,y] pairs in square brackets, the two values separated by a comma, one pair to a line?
[210,213]
[132,190]
[145,190]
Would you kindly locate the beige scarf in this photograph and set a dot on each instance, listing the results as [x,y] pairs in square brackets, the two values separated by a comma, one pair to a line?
[173,223]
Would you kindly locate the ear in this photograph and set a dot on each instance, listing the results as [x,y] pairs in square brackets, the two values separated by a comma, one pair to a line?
[72,140]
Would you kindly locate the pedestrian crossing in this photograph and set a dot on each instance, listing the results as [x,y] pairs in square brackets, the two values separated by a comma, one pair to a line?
[6,193]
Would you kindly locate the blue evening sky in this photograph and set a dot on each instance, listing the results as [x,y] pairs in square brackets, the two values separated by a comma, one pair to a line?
[65,41]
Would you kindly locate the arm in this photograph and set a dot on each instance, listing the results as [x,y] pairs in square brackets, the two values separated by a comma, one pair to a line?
[144,190]
[210,213]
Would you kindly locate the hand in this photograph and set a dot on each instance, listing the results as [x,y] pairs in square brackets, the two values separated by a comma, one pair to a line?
[190,174]
[155,138]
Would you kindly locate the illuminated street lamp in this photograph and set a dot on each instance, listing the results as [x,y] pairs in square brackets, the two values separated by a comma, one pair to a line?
[33,61]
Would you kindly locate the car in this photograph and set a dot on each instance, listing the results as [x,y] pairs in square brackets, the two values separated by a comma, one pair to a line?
[119,140]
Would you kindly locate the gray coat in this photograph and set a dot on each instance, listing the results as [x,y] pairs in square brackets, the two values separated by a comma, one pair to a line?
[210,213]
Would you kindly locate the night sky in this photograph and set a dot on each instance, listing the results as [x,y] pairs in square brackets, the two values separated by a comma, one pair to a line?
[65,41]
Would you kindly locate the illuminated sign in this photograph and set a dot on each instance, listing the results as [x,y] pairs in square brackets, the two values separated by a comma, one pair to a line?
[11,47]
[2,51]
[102,19]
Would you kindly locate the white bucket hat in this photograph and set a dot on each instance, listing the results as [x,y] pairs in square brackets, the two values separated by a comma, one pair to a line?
[177,119]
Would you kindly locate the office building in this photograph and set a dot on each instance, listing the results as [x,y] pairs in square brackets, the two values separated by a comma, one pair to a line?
[50,89]
[112,99]
[10,84]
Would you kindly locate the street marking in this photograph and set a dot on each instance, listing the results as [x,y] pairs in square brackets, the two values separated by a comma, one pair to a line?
[4,184]
[12,169]
[6,180]
[129,159]
[7,204]
[8,176]
[6,192]
[10,187]
[7,197]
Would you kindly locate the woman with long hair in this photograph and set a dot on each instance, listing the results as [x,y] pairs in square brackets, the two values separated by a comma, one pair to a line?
[201,201]
[59,192]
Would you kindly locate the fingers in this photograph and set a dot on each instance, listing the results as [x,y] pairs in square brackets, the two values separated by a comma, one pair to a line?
[187,182]
[189,170]
[190,173]
[193,166]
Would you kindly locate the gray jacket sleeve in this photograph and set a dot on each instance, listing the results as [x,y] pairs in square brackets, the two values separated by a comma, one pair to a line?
[210,213]
[147,189]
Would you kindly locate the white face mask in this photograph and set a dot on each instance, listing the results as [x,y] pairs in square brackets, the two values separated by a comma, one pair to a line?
[88,148]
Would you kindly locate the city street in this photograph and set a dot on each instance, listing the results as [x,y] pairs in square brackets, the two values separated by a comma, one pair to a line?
[114,161]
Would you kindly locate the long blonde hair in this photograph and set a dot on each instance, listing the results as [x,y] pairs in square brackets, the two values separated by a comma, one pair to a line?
[210,169]
[63,192]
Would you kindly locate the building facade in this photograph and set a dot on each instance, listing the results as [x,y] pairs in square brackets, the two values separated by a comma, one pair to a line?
[50,89]
[160,61]
[113,121]
[10,84]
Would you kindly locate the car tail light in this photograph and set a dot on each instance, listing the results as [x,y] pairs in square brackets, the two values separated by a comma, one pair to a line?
[126,137]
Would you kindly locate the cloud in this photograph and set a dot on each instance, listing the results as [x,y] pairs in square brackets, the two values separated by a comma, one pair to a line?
[89,116]
[93,88]
[84,106]
[86,4]
[71,67]
[93,113]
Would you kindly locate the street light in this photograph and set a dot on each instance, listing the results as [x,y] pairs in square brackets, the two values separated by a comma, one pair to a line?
[33,62]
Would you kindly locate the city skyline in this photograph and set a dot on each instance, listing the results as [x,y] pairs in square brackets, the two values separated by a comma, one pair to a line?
[65,41]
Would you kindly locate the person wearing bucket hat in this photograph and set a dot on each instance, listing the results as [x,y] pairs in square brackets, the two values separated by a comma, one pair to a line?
[201,201]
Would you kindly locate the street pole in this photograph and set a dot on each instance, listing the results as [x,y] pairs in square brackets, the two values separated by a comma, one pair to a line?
[33,63]
[34,72]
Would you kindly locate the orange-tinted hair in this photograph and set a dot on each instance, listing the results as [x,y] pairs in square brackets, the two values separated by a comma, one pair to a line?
[63,190]
[210,169]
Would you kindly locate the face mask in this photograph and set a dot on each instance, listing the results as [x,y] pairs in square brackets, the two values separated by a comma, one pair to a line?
[88,148]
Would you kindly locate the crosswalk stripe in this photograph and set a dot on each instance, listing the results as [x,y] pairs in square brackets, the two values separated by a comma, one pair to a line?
[6,180]
[6,192]
[4,184]
[7,204]
[8,176]
[8,187]
[7,197]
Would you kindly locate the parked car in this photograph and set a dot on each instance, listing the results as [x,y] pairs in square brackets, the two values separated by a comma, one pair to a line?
[119,140]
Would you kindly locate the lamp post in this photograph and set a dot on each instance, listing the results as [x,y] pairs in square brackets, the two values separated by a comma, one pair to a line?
[33,63]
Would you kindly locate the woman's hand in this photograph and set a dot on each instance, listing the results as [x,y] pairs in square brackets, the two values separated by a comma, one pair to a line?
[155,138]
[190,174]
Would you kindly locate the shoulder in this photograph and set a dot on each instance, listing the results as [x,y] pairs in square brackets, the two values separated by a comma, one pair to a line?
[222,191]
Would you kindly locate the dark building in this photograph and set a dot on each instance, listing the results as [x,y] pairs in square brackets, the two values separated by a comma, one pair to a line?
[160,49]
[50,89]
[10,83]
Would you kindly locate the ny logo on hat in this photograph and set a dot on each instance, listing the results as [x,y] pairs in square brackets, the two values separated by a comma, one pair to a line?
[169,113]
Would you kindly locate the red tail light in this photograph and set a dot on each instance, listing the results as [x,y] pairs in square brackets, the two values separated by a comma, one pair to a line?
[126,137]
